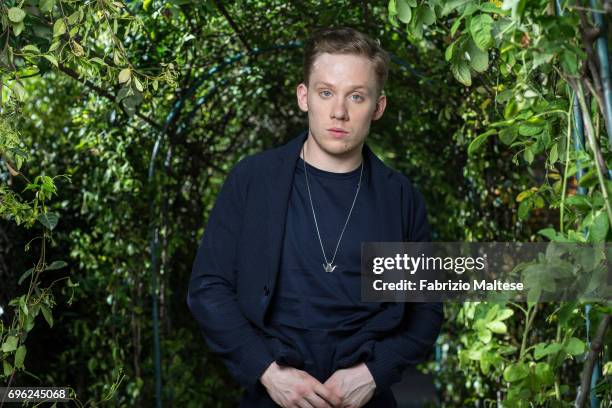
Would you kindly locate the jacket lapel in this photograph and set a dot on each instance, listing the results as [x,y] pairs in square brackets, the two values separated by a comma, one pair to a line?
[279,183]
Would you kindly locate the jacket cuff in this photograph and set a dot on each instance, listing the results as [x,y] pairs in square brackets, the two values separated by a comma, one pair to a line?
[383,366]
[254,363]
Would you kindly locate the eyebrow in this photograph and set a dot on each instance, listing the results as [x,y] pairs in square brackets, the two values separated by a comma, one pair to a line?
[319,83]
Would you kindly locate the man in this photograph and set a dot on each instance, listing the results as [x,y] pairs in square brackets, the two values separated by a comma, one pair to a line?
[275,285]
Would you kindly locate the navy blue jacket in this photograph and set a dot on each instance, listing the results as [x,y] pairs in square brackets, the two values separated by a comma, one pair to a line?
[235,269]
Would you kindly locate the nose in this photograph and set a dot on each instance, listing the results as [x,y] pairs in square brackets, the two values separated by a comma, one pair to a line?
[339,110]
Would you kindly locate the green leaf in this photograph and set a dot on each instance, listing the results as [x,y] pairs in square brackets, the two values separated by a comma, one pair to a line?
[527,129]
[7,368]
[480,29]
[589,179]
[543,349]
[569,62]
[554,154]
[508,135]
[23,305]
[524,208]
[125,75]
[47,5]
[524,194]
[10,344]
[455,26]
[485,364]
[479,141]
[461,71]
[504,314]
[479,59]
[54,46]
[448,54]
[451,5]
[404,11]
[528,155]
[484,335]
[474,354]
[575,346]
[392,8]
[49,220]
[427,15]
[497,327]
[31,48]
[599,228]
[18,90]
[18,28]
[74,18]
[138,84]
[549,233]
[516,372]
[25,275]
[56,265]
[51,59]
[20,356]
[59,27]
[98,60]
[566,312]
[16,15]
[47,314]
[490,8]
[510,110]
[544,374]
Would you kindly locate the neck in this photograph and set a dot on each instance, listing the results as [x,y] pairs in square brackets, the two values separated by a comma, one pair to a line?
[336,163]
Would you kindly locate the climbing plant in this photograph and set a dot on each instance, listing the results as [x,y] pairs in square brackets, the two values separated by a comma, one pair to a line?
[529,66]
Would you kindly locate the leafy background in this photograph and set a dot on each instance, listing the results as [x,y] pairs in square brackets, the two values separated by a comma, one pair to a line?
[120,121]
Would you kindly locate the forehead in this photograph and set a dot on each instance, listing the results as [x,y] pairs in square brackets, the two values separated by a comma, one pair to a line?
[343,70]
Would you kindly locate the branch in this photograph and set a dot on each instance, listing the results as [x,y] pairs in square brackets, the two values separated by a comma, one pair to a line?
[103,92]
[231,22]
[587,373]
[588,35]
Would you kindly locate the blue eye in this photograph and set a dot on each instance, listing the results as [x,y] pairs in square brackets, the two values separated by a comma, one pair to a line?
[324,92]
[358,96]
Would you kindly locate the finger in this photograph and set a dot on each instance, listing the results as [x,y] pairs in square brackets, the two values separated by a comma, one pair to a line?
[326,393]
[304,403]
[317,401]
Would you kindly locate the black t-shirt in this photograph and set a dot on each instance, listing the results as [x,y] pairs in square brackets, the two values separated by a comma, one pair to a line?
[312,309]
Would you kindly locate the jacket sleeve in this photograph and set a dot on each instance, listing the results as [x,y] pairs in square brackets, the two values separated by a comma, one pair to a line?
[211,294]
[410,343]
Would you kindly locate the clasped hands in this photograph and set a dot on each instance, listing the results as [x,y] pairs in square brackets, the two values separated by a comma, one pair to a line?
[290,387]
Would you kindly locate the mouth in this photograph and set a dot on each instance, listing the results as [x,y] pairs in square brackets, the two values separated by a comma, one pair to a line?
[337,132]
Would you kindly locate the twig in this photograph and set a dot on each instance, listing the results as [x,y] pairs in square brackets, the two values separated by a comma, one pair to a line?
[588,35]
[600,164]
[587,372]
[530,319]
[232,24]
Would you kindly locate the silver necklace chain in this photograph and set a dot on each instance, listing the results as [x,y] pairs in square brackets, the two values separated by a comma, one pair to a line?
[329,266]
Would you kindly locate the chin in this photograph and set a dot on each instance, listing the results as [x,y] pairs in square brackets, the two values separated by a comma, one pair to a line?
[338,147]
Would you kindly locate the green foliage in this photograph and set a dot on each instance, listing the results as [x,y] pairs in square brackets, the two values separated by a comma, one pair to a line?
[530,63]
[481,121]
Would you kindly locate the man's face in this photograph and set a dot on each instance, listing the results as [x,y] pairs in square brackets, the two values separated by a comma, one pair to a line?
[342,94]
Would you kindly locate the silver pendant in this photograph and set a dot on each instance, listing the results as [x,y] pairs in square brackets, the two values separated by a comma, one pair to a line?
[328,267]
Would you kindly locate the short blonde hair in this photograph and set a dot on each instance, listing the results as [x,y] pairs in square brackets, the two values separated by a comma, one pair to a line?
[346,40]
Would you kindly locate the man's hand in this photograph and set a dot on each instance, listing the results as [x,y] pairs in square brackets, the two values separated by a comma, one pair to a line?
[293,388]
[355,385]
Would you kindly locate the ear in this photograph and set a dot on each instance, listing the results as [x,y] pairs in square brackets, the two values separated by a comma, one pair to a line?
[380,107]
[302,97]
